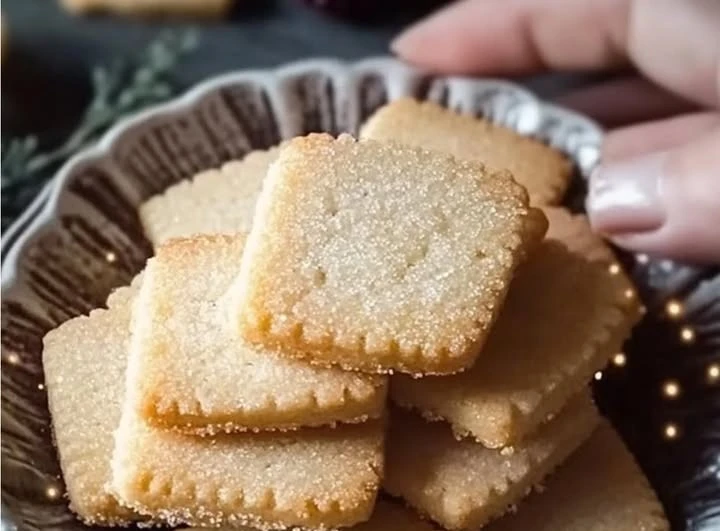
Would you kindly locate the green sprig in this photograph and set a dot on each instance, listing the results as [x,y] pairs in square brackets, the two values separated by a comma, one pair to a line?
[118,90]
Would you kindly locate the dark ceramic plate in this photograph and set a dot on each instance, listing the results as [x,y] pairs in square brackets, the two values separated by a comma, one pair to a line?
[82,238]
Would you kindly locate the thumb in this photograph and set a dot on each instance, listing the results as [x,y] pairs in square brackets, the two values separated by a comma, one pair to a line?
[663,202]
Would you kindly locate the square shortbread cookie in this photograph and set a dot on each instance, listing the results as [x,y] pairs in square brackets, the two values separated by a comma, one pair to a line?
[194,8]
[600,488]
[218,201]
[380,257]
[462,484]
[544,171]
[563,319]
[196,375]
[313,478]
[85,393]
[310,478]
[575,232]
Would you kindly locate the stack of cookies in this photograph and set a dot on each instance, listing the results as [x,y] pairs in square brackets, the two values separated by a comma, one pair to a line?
[243,378]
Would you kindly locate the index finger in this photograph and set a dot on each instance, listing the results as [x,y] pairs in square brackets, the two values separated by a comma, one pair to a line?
[673,42]
[518,36]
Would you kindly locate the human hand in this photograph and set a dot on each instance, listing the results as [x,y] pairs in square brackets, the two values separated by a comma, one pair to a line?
[657,189]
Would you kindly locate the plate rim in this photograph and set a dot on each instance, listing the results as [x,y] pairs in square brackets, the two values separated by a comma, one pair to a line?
[42,212]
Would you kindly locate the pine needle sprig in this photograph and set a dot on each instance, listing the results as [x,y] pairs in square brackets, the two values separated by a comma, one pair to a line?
[118,90]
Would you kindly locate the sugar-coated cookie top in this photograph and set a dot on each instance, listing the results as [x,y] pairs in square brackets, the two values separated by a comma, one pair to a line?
[84,362]
[383,255]
[217,201]
[197,375]
[563,318]
[544,171]
[320,477]
[600,488]
[462,484]
[574,231]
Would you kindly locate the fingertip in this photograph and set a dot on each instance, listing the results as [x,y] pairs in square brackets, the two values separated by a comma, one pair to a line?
[469,37]
[433,41]
[403,44]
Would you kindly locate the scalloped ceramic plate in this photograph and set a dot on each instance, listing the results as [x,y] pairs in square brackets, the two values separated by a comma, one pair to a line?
[82,237]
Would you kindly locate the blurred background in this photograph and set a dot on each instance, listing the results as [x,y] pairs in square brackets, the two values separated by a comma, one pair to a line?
[50,52]
[69,75]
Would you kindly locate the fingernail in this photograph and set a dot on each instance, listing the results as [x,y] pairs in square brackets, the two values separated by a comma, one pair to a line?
[626,197]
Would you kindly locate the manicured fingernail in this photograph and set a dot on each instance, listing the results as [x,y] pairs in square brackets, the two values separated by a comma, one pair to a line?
[626,197]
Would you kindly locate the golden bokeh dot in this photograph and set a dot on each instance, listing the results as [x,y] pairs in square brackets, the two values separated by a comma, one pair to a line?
[687,334]
[642,258]
[598,375]
[41,386]
[713,372]
[629,293]
[671,389]
[614,269]
[620,359]
[671,431]
[52,492]
[13,358]
[673,308]
[110,257]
